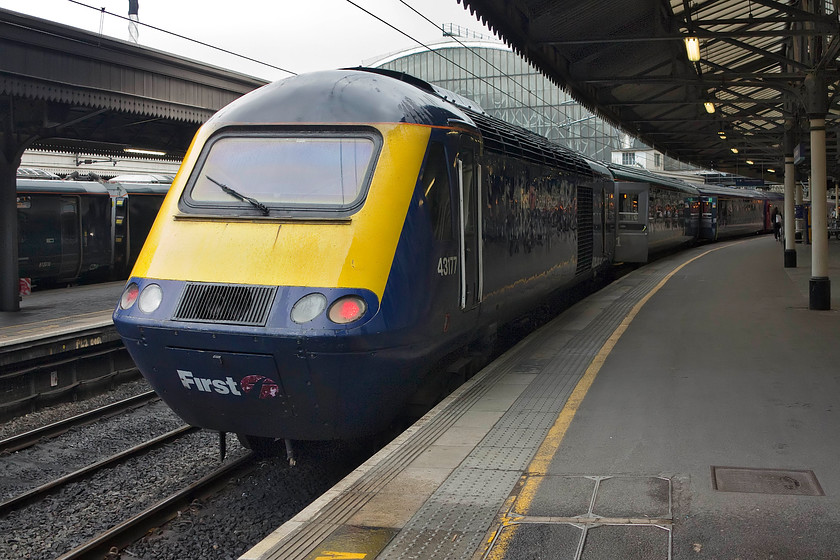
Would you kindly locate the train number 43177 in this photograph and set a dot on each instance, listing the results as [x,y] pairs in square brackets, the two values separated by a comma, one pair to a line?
[447,266]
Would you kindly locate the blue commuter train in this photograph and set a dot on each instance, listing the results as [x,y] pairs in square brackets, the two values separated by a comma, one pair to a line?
[81,231]
[334,239]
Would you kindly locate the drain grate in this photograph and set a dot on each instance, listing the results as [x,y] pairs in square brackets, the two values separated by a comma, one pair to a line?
[766,481]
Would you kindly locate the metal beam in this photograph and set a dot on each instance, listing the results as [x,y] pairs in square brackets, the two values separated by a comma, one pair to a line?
[766,54]
[699,33]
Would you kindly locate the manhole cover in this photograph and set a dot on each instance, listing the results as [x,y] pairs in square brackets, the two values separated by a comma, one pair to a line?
[766,481]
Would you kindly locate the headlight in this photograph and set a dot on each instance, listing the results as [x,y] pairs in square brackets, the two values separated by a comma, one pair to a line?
[129,296]
[308,307]
[347,309]
[150,298]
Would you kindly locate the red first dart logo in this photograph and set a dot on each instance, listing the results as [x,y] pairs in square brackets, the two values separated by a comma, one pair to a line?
[261,386]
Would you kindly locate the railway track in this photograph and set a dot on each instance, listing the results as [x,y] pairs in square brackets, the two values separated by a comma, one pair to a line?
[113,500]
[125,533]
[31,437]
[40,492]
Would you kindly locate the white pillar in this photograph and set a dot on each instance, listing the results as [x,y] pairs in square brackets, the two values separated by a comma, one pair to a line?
[820,284]
[798,197]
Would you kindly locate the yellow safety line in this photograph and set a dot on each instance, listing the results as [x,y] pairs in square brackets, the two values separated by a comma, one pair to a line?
[538,467]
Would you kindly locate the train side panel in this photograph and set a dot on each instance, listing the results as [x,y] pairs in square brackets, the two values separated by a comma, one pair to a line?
[670,219]
[655,214]
[65,231]
[530,232]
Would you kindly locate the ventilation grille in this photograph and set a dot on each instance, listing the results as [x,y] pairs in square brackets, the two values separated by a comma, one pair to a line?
[225,303]
[584,229]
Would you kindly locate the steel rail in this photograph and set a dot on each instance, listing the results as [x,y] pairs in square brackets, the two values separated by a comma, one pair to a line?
[132,529]
[35,494]
[27,439]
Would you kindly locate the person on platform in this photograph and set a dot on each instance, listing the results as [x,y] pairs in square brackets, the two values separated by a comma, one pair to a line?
[776,219]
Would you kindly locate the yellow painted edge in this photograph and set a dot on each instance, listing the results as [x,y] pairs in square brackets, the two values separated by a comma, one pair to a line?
[499,541]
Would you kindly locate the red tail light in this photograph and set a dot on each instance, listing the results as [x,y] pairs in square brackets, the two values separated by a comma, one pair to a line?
[347,309]
[129,296]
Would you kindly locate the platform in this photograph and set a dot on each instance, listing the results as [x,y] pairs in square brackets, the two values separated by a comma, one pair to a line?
[688,410]
[61,345]
[60,311]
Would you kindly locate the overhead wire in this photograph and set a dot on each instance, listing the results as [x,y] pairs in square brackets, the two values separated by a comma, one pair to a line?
[202,43]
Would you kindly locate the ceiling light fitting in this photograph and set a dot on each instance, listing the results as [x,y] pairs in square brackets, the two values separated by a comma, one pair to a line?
[692,48]
[144,152]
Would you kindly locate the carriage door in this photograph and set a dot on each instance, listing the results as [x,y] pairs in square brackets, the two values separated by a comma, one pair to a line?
[469,177]
[71,258]
[708,217]
[632,239]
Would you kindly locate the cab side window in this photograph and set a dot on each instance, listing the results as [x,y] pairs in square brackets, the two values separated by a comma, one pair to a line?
[435,184]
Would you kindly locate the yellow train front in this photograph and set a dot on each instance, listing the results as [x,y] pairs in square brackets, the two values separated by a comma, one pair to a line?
[325,245]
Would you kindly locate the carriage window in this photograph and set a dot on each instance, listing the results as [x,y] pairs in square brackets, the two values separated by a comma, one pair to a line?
[303,171]
[628,207]
[69,220]
[435,183]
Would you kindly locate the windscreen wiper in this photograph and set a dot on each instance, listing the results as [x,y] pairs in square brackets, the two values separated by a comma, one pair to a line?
[253,201]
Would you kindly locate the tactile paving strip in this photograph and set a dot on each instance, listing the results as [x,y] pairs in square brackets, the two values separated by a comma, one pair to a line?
[537,407]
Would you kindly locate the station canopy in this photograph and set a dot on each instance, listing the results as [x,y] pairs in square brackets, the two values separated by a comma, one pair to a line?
[764,66]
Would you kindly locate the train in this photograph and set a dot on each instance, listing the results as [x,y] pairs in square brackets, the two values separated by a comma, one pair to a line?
[335,241]
[72,231]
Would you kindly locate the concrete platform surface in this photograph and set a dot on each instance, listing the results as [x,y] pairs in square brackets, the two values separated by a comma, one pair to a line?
[60,311]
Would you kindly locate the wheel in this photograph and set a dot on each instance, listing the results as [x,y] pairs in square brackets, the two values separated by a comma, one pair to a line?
[262,446]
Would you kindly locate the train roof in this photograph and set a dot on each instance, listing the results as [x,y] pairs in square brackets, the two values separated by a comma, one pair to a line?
[639,174]
[35,173]
[374,95]
[341,97]
[146,188]
[61,187]
[773,195]
[504,138]
[732,192]
[599,167]
[144,178]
